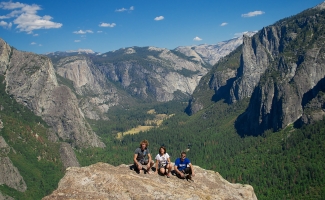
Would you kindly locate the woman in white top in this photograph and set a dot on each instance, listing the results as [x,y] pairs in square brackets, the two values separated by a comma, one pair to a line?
[163,162]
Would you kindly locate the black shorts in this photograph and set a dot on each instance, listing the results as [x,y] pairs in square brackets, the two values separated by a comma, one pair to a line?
[162,165]
[143,162]
[187,170]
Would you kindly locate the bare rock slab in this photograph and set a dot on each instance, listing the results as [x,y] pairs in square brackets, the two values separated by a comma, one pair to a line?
[104,181]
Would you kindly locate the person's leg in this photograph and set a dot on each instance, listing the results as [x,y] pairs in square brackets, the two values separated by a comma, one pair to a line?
[138,166]
[169,167]
[162,170]
[149,165]
[189,172]
[180,175]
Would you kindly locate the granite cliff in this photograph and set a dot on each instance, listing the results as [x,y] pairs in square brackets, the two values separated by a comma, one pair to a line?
[145,73]
[291,89]
[32,81]
[281,70]
[104,181]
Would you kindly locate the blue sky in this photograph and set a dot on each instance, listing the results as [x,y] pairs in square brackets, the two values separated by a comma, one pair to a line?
[46,26]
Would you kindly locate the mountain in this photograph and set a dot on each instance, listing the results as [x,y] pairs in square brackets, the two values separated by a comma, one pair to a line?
[280,69]
[273,79]
[72,52]
[148,73]
[31,80]
[211,54]
[80,85]
[104,181]
[136,74]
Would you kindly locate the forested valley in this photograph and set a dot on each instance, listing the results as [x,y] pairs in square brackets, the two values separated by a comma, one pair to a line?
[282,165]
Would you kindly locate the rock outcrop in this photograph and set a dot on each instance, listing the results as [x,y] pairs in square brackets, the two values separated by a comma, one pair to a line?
[104,181]
[9,174]
[32,81]
[68,156]
[5,197]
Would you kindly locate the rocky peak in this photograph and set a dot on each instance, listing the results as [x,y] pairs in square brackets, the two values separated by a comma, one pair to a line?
[320,6]
[104,181]
[257,52]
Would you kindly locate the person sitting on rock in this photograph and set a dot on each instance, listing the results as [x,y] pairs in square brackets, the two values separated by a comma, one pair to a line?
[163,162]
[181,167]
[142,157]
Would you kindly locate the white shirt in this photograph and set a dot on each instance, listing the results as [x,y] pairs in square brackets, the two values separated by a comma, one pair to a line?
[162,159]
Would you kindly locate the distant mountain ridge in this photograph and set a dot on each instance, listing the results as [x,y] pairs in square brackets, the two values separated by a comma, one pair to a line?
[72,52]
[211,54]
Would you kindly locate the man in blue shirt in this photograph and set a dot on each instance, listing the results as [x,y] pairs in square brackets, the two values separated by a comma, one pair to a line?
[184,166]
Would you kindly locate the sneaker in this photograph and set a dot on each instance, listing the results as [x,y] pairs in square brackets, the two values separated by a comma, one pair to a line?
[189,177]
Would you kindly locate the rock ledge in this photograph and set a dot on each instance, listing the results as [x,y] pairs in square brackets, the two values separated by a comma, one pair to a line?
[104,181]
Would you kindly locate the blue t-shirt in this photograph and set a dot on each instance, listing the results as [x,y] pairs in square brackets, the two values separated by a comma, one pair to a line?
[182,164]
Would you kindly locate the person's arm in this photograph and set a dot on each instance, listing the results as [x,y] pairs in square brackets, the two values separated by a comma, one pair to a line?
[135,158]
[149,158]
[176,169]
[157,162]
[192,169]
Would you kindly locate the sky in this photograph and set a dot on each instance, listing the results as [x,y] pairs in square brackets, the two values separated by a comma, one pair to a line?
[105,25]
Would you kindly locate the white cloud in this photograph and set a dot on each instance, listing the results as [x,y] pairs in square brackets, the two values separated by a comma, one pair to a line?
[10,5]
[14,13]
[197,38]
[77,40]
[40,45]
[159,18]
[121,10]
[224,24]
[83,32]
[107,25]
[253,14]
[99,31]
[5,24]
[35,35]
[26,17]
[124,9]
[33,43]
